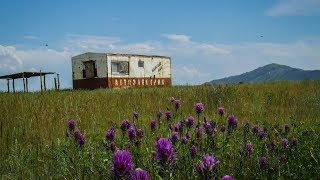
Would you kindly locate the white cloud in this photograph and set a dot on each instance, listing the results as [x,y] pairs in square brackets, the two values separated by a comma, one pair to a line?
[77,42]
[177,37]
[9,61]
[294,7]
[31,37]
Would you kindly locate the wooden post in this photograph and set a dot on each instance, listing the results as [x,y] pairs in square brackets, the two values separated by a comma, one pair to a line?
[13,88]
[24,84]
[44,82]
[27,87]
[40,81]
[58,81]
[8,85]
[55,83]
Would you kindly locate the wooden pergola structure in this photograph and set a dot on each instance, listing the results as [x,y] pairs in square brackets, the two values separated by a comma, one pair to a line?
[25,75]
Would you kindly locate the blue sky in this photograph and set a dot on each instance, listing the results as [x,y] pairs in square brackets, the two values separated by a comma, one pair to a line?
[206,39]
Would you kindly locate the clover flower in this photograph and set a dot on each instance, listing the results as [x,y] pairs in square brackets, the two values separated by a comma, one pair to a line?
[199,107]
[233,121]
[140,174]
[227,177]
[221,111]
[263,161]
[190,121]
[125,125]
[153,125]
[122,164]
[110,134]
[72,124]
[164,151]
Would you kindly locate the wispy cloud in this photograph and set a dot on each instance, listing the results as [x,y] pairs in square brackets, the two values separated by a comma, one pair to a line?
[177,37]
[31,37]
[76,42]
[294,7]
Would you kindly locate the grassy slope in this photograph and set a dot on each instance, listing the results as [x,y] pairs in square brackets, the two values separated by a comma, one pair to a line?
[33,141]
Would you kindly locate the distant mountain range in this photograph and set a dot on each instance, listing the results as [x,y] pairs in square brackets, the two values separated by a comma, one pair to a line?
[271,72]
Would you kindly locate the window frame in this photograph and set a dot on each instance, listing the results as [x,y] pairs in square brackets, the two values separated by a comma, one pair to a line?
[118,72]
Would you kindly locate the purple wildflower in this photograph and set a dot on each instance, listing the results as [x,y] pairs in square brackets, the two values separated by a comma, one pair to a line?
[233,121]
[190,121]
[132,133]
[140,133]
[285,143]
[263,161]
[261,134]
[199,132]
[199,107]
[110,134]
[168,115]
[174,137]
[208,127]
[286,127]
[249,148]
[221,111]
[125,124]
[177,127]
[227,177]
[177,103]
[193,150]
[140,174]
[164,151]
[81,140]
[200,168]
[153,125]
[122,164]
[255,129]
[207,165]
[77,134]
[72,124]
[186,138]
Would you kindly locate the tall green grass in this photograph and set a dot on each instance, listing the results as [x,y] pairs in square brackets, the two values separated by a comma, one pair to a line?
[34,144]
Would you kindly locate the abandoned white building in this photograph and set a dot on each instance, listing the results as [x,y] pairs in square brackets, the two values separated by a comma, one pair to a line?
[109,70]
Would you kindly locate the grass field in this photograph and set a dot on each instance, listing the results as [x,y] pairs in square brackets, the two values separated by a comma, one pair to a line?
[34,142]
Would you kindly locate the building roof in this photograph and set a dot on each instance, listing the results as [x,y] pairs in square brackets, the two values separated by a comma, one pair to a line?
[24,75]
[142,55]
[123,54]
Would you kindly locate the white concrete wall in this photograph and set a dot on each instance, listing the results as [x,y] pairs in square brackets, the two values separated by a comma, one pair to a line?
[103,64]
[163,71]
[99,58]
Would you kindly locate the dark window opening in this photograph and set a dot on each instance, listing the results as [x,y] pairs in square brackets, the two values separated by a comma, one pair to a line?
[140,63]
[90,69]
[83,73]
[120,67]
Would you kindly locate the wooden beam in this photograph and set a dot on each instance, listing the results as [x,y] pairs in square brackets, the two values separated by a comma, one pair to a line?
[27,87]
[44,82]
[58,81]
[55,83]
[40,81]
[8,85]
[24,84]
[13,88]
